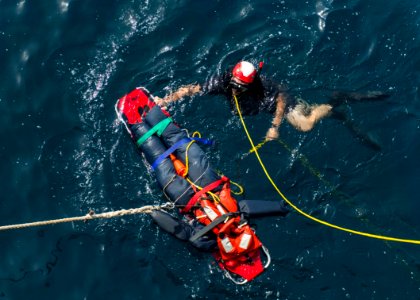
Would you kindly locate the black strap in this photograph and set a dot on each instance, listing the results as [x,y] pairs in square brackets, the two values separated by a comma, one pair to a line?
[219,220]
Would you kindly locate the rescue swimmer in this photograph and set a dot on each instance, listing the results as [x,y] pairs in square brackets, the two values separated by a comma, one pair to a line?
[212,219]
[257,94]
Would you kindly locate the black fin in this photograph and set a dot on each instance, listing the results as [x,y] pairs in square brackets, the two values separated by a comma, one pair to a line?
[338,98]
[362,136]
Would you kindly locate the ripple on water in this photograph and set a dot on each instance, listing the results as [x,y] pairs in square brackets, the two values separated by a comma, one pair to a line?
[95,156]
[346,44]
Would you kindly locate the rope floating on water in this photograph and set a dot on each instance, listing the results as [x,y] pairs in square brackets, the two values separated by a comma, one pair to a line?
[92,216]
[253,149]
[297,209]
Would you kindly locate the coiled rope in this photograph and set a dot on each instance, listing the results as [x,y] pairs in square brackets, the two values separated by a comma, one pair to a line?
[92,216]
[297,209]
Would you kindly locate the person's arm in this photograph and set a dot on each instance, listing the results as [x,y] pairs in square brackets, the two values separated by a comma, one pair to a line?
[186,90]
[273,132]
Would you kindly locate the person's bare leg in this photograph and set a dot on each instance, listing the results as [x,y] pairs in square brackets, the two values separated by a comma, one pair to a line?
[304,118]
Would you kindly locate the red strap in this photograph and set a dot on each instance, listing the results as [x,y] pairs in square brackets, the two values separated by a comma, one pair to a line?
[197,196]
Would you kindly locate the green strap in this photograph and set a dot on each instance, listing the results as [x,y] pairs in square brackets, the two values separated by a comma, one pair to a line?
[159,128]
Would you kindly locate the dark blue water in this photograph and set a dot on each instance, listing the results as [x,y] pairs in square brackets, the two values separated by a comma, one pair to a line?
[65,63]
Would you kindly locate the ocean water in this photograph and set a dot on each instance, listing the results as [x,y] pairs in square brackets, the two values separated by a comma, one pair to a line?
[64,64]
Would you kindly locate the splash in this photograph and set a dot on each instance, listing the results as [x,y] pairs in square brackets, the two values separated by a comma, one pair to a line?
[63,6]
[322,10]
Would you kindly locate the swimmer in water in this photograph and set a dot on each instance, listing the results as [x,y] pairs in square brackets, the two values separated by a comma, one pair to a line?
[257,94]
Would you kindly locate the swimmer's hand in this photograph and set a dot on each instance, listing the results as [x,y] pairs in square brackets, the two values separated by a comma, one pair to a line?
[161,102]
[272,134]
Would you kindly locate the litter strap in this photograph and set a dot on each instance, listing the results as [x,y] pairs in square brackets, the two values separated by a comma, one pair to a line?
[219,220]
[206,142]
[165,154]
[206,189]
[159,128]
[175,146]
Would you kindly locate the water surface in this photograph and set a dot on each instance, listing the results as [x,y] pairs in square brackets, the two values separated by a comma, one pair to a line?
[65,63]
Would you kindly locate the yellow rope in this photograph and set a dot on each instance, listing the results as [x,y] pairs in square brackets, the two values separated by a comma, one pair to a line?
[258,146]
[241,189]
[305,162]
[90,216]
[196,133]
[300,157]
[186,159]
[214,196]
[366,234]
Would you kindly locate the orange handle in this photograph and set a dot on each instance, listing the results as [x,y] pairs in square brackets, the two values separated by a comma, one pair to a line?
[180,168]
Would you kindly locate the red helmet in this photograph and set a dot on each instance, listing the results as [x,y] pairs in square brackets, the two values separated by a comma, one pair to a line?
[244,71]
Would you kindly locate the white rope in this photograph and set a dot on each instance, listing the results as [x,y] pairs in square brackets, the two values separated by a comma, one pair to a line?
[92,216]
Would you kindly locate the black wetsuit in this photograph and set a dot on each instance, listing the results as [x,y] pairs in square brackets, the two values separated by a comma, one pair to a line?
[260,96]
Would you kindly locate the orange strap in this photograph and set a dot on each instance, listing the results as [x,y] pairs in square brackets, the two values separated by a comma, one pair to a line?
[204,190]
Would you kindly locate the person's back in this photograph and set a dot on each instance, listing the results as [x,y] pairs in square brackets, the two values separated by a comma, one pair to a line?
[260,95]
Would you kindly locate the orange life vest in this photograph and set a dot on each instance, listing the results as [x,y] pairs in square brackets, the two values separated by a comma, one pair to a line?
[238,244]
